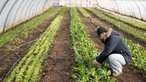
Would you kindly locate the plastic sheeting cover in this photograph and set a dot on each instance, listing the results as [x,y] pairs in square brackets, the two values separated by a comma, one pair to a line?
[14,12]
[135,8]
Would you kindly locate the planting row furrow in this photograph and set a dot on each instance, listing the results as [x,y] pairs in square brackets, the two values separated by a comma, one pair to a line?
[27,26]
[29,68]
[136,33]
[85,52]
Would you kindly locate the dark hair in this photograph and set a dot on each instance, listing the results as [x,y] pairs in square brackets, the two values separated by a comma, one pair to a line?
[101,30]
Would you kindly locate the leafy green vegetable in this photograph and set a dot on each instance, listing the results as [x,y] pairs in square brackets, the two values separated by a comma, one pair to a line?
[85,52]
[29,68]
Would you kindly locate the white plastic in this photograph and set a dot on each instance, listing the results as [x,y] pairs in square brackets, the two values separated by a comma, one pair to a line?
[75,3]
[135,8]
[17,19]
[2,4]
[14,12]
[4,14]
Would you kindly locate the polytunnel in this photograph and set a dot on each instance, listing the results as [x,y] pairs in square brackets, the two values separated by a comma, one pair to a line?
[14,12]
[72,41]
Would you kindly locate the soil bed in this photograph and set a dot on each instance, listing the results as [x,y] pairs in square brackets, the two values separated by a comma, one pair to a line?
[130,73]
[20,46]
[58,66]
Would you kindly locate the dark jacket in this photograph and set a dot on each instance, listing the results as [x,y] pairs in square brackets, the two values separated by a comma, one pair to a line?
[114,44]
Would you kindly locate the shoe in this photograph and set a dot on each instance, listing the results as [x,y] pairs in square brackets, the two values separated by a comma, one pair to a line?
[116,74]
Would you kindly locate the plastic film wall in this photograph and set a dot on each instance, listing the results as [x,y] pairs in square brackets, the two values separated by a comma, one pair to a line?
[75,3]
[135,8]
[14,12]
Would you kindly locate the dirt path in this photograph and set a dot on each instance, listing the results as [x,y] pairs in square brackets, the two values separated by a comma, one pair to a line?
[58,66]
[20,47]
[130,73]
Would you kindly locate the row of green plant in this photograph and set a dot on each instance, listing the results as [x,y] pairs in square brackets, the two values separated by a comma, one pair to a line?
[30,67]
[132,22]
[138,55]
[136,33]
[25,27]
[84,13]
[85,53]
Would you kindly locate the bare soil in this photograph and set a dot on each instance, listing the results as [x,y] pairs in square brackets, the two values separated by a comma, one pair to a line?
[20,47]
[58,66]
[130,73]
